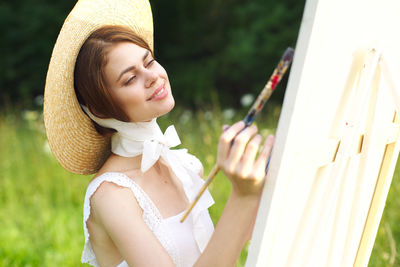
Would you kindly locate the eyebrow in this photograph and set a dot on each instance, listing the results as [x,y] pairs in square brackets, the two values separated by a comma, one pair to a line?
[132,67]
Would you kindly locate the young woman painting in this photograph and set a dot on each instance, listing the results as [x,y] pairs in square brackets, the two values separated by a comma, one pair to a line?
[104,91]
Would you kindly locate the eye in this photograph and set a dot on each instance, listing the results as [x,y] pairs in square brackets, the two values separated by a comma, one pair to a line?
[149,63]
[129,80]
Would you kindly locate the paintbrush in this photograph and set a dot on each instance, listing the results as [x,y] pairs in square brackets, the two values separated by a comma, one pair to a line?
[262,98]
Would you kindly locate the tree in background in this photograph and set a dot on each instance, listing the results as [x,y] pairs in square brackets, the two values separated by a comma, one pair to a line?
[216,48]
[29,29]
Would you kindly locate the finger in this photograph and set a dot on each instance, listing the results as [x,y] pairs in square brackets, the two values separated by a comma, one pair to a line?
[238,147]
[261,162]
[225,140]
[225,127]
[245,167]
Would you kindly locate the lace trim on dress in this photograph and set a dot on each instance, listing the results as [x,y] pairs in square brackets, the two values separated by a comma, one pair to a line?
[151,215]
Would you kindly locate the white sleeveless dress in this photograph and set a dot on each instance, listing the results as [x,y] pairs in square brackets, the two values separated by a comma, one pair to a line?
[184,242]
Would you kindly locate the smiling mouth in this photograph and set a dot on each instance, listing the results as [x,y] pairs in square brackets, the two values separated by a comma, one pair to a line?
[158,92]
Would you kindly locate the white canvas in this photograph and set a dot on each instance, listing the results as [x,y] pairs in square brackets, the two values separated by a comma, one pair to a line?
[337,139]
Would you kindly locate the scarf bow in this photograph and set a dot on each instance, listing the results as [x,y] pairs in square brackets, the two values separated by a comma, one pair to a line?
[156,147]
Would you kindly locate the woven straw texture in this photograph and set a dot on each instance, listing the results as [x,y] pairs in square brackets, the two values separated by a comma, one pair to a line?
[71,135]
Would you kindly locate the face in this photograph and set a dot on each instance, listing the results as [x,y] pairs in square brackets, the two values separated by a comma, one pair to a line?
[138,82]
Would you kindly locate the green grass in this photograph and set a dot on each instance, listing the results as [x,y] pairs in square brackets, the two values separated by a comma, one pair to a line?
[41,203]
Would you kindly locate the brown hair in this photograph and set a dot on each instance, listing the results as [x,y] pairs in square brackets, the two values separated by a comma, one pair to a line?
[89,78]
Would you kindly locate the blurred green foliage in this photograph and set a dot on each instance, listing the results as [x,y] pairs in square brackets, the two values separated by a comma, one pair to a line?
[29,29]
[210,48]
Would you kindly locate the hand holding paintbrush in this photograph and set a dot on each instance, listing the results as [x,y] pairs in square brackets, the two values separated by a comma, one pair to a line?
[262,98]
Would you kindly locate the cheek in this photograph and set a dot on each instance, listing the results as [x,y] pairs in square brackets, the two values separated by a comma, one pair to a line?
[131,97]
[162,71]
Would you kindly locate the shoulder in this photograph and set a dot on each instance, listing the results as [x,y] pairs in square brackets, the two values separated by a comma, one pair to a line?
[113,199]
[111,190]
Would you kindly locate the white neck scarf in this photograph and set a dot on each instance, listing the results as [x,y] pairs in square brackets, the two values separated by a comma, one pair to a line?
[147,139]
[135,138]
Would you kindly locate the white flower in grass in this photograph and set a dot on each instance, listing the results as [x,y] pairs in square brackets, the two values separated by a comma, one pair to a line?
[185,117]
[208,116]
[246,100]
[30,115]
[228,113]
[46,148]
[39,100]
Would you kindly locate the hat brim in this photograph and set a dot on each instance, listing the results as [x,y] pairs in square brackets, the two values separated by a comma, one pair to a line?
[74,141]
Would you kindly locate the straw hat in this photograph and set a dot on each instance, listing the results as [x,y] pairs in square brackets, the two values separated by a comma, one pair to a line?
[71,135]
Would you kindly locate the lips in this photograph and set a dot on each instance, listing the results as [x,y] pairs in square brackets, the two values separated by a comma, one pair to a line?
[157,92]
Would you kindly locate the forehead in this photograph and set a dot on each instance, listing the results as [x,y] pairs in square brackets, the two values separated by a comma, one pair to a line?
[125,53]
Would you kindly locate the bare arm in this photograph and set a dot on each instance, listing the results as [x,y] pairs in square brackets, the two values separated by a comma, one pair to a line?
[118,212]
[247,174]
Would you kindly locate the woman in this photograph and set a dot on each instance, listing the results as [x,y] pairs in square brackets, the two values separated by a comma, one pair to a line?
[141,188]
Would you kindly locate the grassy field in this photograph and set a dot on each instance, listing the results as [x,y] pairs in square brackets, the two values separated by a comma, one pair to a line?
[41,203]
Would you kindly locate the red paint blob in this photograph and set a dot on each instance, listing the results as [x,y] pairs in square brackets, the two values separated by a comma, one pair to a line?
[274,81]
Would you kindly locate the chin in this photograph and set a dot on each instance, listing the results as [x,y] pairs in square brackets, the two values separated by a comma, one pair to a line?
[172,104]
[169,106]
[165,108]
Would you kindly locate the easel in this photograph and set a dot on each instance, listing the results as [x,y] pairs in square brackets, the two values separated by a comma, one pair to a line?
[325,208]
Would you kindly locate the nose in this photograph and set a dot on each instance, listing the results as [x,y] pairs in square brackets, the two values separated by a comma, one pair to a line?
[151,78]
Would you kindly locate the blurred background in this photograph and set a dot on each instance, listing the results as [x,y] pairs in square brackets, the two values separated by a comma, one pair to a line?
[218,55]
[212,50]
